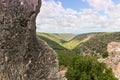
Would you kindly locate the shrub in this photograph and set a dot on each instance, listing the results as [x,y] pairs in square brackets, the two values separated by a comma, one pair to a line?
[88,68]
[105,54]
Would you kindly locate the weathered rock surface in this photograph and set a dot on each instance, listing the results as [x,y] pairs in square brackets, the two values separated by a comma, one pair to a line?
[22,55]
[62,72]
[113,59]
[62,75]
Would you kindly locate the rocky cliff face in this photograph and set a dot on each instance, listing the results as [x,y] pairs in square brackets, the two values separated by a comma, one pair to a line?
[22,55]
[113,59]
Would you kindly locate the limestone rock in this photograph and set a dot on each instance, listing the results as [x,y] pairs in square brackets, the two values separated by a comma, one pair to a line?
[113,59]
[22,55]
[61,75]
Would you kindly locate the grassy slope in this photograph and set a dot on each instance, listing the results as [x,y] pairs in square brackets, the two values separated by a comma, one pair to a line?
[65,37]
[57,37]
[77,40]
[52,44]
[62,52]
[98,43]
[84,43]
[68,41]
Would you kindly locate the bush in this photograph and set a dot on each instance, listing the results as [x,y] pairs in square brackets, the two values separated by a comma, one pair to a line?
[105,54]
[88,68]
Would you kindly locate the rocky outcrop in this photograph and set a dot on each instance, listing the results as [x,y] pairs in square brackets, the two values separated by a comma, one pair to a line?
[62,75]
[62,72]
[113,59]
[22,55]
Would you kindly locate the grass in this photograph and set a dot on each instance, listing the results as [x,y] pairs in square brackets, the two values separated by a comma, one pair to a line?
[65,40]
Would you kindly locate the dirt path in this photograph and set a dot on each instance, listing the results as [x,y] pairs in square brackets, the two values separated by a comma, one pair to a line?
[86,39]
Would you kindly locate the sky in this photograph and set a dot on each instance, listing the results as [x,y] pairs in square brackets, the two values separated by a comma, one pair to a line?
[79,16]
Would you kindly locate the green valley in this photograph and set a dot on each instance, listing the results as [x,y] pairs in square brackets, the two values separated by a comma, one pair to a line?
[71,48]
[68,41]
[90,43]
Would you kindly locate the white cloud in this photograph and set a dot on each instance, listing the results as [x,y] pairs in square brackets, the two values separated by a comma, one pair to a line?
[55,18]
[101,4]
[108,6]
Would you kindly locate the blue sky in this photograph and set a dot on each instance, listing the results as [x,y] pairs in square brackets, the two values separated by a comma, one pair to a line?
[74,4]
[79,16]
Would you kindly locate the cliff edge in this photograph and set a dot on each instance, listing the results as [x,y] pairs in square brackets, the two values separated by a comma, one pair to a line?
[113,60]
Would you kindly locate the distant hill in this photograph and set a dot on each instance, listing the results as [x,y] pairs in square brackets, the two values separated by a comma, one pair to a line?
[68,41]
[51,43]
[60,38]
[77,40]
[90,43]
[97,44]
